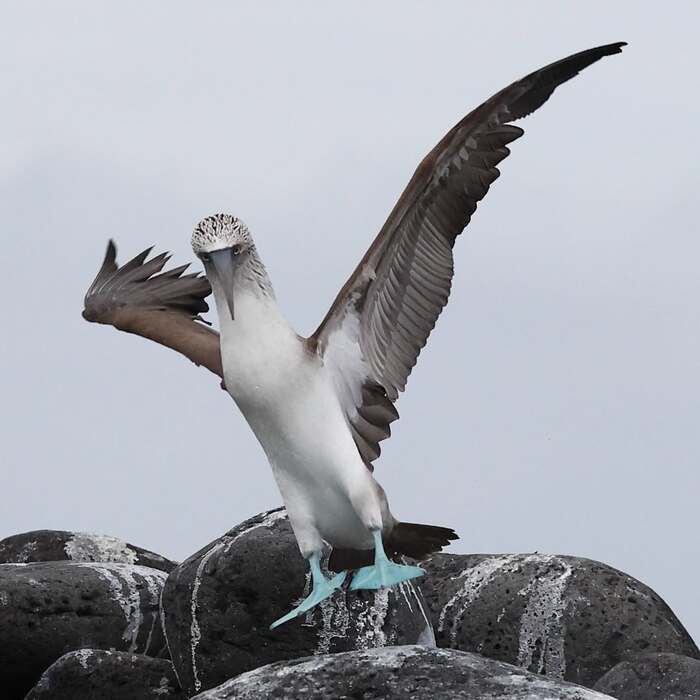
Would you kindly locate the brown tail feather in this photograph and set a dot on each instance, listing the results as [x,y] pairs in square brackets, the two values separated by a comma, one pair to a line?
[409,539]
[419,541]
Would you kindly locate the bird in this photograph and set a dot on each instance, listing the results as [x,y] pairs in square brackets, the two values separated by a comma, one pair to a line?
[321,405]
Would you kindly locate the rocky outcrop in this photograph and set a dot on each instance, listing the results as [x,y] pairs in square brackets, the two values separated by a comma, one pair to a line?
[50,608]
[396,673]
[93,674]
[218,606]
[653,677]
[95,629]
[561,616]
[63,545]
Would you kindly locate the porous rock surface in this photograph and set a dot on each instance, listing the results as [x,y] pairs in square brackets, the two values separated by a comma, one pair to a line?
[218,606]
[565,617]
[653,677]
[50,608]
[94,674]
[63,545]
[396,673]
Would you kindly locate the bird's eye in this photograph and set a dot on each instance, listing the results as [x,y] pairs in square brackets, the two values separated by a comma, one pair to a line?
[204,257]
[236,249]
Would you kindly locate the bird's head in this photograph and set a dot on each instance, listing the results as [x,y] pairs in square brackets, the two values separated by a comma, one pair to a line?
[222,242]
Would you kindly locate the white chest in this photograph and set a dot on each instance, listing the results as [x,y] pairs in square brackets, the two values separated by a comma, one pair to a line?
[290,401]
[258,349]
[282,390]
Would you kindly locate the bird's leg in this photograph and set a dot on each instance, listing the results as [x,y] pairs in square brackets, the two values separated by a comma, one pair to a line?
[322,589]
[384,573]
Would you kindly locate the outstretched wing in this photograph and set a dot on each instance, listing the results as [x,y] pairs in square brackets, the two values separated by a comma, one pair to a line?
[161,306]
[382,317]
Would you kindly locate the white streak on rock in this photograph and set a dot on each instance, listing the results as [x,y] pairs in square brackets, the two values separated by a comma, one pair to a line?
[155,588]
[83,546]
[335,621]
[541,626]
[26,552]
[163,626]
[195,632]
[370,622]
[44,682]
[83,655]
[125,576]
[474,579]
[427,636]
[150,634]
[225,544]
[163,687]
[116,586]
[335,612]
[402,587]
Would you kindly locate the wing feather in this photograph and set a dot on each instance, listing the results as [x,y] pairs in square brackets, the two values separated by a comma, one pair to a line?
[382,317]
[162,306]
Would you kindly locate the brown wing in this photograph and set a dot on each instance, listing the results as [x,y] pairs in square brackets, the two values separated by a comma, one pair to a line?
[161,306]
[390,304]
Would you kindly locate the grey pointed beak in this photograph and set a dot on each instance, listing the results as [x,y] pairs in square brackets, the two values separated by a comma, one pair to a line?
[222,263]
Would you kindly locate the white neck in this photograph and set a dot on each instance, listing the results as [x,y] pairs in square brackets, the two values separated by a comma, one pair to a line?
[258,342]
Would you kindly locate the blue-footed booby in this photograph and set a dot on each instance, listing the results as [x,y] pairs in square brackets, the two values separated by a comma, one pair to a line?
[321,405]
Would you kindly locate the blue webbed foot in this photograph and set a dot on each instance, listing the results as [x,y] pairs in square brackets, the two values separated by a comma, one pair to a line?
[322,589]
[384,573]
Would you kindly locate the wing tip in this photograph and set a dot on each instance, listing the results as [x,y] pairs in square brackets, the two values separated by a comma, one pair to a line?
[609,49]
[599,51]
[110,259]
[617,45]
[141,283]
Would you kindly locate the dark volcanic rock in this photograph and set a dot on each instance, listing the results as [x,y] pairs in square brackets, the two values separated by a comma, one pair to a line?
[396,673]
[562,616]
[92,674]
[218,606]
[653,677]
[50,608]
[61,545]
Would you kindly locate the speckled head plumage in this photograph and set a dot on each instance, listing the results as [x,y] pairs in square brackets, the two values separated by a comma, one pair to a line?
[218,232]
[224,245]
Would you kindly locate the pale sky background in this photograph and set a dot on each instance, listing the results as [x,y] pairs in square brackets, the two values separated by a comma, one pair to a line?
[556,405]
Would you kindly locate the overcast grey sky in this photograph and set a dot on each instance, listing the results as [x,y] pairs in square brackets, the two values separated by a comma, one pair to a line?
[556,405]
